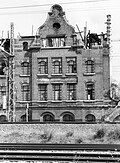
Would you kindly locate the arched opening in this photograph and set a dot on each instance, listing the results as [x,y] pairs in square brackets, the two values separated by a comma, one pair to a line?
[23,118]
[48,117]
[68,117]
[3,118]
[90,118]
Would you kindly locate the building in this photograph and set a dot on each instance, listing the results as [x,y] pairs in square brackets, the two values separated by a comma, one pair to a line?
[59,75]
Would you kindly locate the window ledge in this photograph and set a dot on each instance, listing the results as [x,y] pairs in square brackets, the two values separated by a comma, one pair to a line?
[60,47]
[2,76]
[69,74]
[89,101]
[24,75]
[56,101]
[56,74]
[89,74]
[42,74]
[71,101]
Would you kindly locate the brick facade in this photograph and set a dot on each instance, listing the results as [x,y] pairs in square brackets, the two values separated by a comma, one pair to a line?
[66,81]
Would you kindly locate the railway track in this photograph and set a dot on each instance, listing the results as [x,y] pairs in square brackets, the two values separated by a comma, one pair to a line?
[61,152]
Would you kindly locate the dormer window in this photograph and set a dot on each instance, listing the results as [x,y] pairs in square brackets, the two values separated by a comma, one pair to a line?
[54,41]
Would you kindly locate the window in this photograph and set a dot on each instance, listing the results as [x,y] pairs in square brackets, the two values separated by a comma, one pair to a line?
[48,117]
[71,91]
[71,65]
[90,91]
[2,66]
[68,117]
[42,92]
[89,66]
[43,65]
[57,91]
[57,65]
[25,46]
[25,92]
[53,42]
[90,118]
[2,91]
[25,68]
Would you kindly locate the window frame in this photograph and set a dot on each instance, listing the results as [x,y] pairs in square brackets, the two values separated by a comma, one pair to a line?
[43,68]
[42,89]
[90,91]
[71,68]
[57,92]
[90,66]
[25,66]
[57,65]
[71,88]
[25,89]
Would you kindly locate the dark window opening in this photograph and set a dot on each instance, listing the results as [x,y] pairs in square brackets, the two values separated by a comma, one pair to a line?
[90,118]
[68,117]
[2,66]
[90,91]
[48,117]
[56,25]
[25,46]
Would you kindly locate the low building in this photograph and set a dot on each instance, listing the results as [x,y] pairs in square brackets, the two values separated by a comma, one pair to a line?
[59,76]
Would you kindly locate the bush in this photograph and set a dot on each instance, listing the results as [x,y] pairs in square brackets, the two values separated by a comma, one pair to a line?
[99,134]
[114,135]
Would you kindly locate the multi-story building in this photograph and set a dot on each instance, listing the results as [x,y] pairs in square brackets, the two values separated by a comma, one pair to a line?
[59,76]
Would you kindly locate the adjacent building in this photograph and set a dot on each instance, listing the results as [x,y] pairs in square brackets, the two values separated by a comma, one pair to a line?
[59,76]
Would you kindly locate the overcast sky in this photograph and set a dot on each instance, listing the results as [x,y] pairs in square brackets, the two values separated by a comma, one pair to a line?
[77,12]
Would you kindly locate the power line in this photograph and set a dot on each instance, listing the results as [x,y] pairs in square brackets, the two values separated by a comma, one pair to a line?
[42,5]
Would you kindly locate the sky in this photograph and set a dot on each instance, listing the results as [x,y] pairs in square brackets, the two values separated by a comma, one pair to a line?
[28,15]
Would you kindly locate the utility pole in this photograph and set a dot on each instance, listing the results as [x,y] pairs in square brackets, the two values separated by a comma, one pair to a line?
[11,84]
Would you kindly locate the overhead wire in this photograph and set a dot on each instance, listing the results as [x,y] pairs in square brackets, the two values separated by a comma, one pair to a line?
[42,5]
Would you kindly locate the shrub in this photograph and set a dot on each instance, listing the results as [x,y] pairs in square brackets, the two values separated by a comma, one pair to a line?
[99,134]
[69,134]
[115,135]
[78,141]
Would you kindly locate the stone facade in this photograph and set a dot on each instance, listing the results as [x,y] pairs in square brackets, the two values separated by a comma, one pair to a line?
[57,77]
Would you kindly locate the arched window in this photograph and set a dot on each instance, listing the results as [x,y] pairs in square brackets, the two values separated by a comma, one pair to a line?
[90,91]
[25,46]
[90,118]
[57,66]
[48,117]
[71,65]
[68,117]
[25,68]
[43,66]
[23,118]
[3,118]
[90,66]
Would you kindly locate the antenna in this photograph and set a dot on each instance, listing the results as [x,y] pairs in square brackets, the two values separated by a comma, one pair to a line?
[85,35]
[32,30]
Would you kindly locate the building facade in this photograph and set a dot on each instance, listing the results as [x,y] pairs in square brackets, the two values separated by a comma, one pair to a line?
[59,76]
